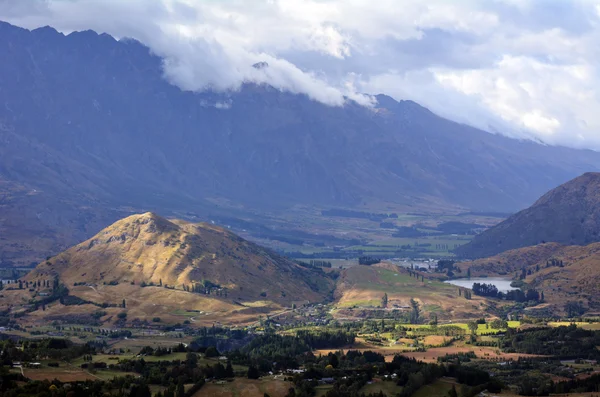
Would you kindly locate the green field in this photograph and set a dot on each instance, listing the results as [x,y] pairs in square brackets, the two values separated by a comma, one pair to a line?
[481,328]
[322,390]
[114,358]
[389,388]
[581,324]
[434,245]
[439,388]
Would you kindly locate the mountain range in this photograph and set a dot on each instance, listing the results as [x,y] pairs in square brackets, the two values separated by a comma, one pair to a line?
[568,214]
[91,131]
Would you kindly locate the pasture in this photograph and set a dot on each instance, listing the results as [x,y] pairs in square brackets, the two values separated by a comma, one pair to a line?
[239,387]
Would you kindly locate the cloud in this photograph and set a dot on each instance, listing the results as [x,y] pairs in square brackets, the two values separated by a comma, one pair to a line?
[525,68]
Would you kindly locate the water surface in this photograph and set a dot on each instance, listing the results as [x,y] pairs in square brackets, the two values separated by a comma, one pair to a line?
[503,284]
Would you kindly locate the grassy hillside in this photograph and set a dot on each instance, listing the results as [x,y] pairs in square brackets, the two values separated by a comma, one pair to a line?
[568,214]
[171,269]
[148,249]
[563,273]
[362,287]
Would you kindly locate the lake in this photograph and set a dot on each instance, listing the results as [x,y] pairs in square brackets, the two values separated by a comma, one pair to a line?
[503,284]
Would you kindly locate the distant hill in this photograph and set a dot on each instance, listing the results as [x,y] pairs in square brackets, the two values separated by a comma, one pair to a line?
[91,131]
[196,258]
[564,273]
[568,214]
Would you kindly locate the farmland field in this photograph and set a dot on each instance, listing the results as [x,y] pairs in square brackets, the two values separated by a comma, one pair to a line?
[389,388]
[363,287]
[245,388]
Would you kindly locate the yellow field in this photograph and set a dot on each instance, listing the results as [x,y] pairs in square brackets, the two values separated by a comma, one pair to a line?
[584,325]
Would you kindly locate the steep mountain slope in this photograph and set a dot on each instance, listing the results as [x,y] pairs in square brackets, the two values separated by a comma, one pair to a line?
[89,123]
[563,273]
[568,214]
[150,249]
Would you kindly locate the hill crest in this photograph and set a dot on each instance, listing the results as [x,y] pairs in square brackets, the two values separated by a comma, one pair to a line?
[149,249]
[568,214]
[563,273]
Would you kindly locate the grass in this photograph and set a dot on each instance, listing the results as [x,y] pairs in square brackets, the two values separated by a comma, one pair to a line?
[361,303]
[245,388]
[106,358]
[166,357]
[439,388]
[322,390]
[389,388]
[433,308]
[186,313]
[583,325]
[481,328]
[393,244]
[386,280]
[108,374]
[63,373]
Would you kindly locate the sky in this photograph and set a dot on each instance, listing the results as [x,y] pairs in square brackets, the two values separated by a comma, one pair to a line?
[523,68]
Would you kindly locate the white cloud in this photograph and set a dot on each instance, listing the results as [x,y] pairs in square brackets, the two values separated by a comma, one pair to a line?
[522,67]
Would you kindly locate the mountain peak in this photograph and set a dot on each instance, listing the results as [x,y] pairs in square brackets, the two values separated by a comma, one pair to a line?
[148,222]
[46,31]
[260,65]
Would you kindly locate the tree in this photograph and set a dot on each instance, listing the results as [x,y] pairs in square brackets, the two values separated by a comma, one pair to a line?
[180,392]
[211,351]
[140,391]
[384,300]
[253,372]
[333,360]
[229,370]
[473,326]
[574,309]
[468,276]
[415,311]
[434,319]
[122,315]
[123,304]
[291,392]
[532,295]
[452,392]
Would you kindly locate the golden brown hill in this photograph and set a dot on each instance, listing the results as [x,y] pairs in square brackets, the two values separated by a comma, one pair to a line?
[145,249]
[563,273]
[568,214]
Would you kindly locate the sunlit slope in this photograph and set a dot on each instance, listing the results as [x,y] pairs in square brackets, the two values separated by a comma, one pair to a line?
[145,249]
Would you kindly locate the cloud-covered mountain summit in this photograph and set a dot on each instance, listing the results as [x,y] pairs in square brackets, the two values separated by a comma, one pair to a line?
[522,68]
